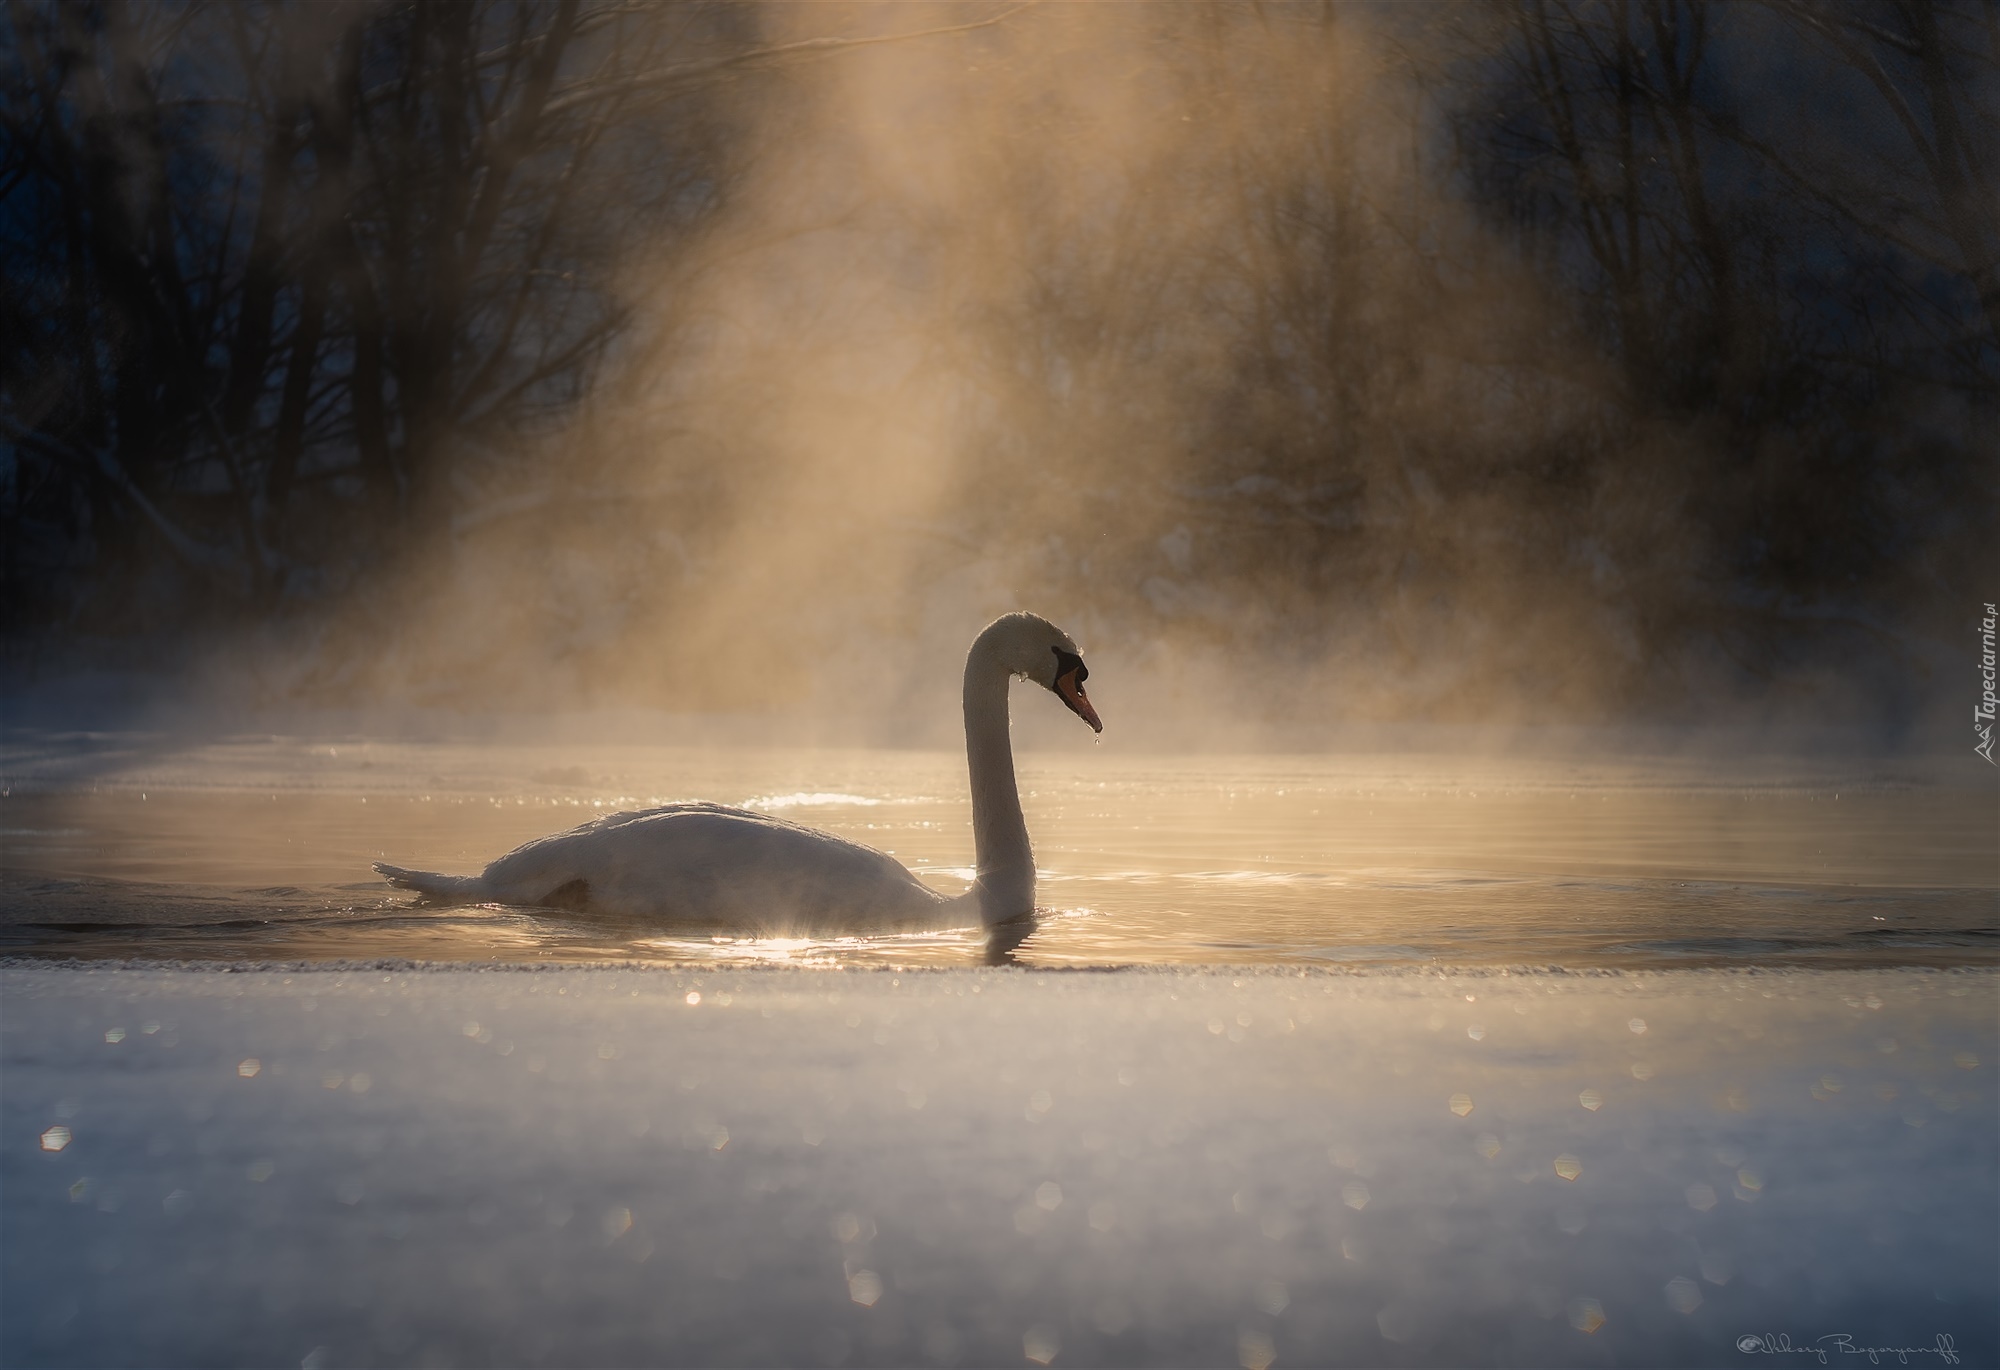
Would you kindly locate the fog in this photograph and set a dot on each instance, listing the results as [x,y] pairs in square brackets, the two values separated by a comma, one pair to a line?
[1314,365]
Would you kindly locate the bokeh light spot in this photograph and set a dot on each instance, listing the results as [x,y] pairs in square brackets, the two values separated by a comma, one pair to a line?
[1586,1315]
[1683,1294]
[864,1287]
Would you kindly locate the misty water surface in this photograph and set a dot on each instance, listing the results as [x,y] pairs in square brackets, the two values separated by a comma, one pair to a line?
[129,845]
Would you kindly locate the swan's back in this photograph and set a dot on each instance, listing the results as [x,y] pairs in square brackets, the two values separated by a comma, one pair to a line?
[711,865]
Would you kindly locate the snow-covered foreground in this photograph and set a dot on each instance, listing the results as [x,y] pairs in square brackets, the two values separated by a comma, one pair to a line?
[585,1167]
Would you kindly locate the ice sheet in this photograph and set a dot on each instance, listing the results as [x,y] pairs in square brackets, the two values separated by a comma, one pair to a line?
[574,1167]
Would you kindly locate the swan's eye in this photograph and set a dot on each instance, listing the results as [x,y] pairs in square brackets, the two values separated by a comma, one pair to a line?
[1070,661]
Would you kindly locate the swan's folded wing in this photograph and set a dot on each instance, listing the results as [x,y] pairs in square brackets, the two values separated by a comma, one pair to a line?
[708,864]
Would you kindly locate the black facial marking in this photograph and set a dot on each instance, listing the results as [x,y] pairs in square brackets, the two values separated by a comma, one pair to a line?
[1069,661]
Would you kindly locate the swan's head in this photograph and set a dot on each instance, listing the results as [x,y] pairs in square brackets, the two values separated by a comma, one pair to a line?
[1031,646]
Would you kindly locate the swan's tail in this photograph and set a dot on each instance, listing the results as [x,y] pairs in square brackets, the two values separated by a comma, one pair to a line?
[438,889]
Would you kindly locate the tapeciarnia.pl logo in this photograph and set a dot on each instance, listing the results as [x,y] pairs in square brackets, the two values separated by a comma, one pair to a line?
[1982,712]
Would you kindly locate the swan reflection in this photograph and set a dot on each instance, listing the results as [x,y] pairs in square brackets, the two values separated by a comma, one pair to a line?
[1002,939]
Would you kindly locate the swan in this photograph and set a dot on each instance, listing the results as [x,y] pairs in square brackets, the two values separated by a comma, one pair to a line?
[716,866]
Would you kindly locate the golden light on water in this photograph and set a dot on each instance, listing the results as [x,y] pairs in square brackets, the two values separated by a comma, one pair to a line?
[1287,858]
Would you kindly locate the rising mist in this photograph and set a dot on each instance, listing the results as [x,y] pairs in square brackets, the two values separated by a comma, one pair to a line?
[1340,362]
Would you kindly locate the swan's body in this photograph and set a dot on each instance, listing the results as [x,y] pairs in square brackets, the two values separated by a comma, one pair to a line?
[698,863]
[714,866]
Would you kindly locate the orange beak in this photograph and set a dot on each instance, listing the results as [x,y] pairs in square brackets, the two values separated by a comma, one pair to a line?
[1070,690]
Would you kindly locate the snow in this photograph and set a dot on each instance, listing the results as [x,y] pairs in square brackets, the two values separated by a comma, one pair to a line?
[591,1167]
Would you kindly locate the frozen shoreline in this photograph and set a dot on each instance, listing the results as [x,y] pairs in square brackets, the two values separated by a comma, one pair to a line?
[581,1167]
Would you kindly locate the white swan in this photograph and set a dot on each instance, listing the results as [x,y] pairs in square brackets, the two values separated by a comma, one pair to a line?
[714,866]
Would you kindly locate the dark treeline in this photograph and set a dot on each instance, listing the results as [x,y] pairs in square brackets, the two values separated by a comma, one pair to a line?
[276,273]
[1625,345]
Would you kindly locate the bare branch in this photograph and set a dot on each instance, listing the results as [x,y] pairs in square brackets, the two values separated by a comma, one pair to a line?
[687,73]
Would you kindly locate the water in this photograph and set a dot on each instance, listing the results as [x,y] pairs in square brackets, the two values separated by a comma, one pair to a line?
[131,845]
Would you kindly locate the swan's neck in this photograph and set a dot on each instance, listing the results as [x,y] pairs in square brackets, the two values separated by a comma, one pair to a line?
[1006,884]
